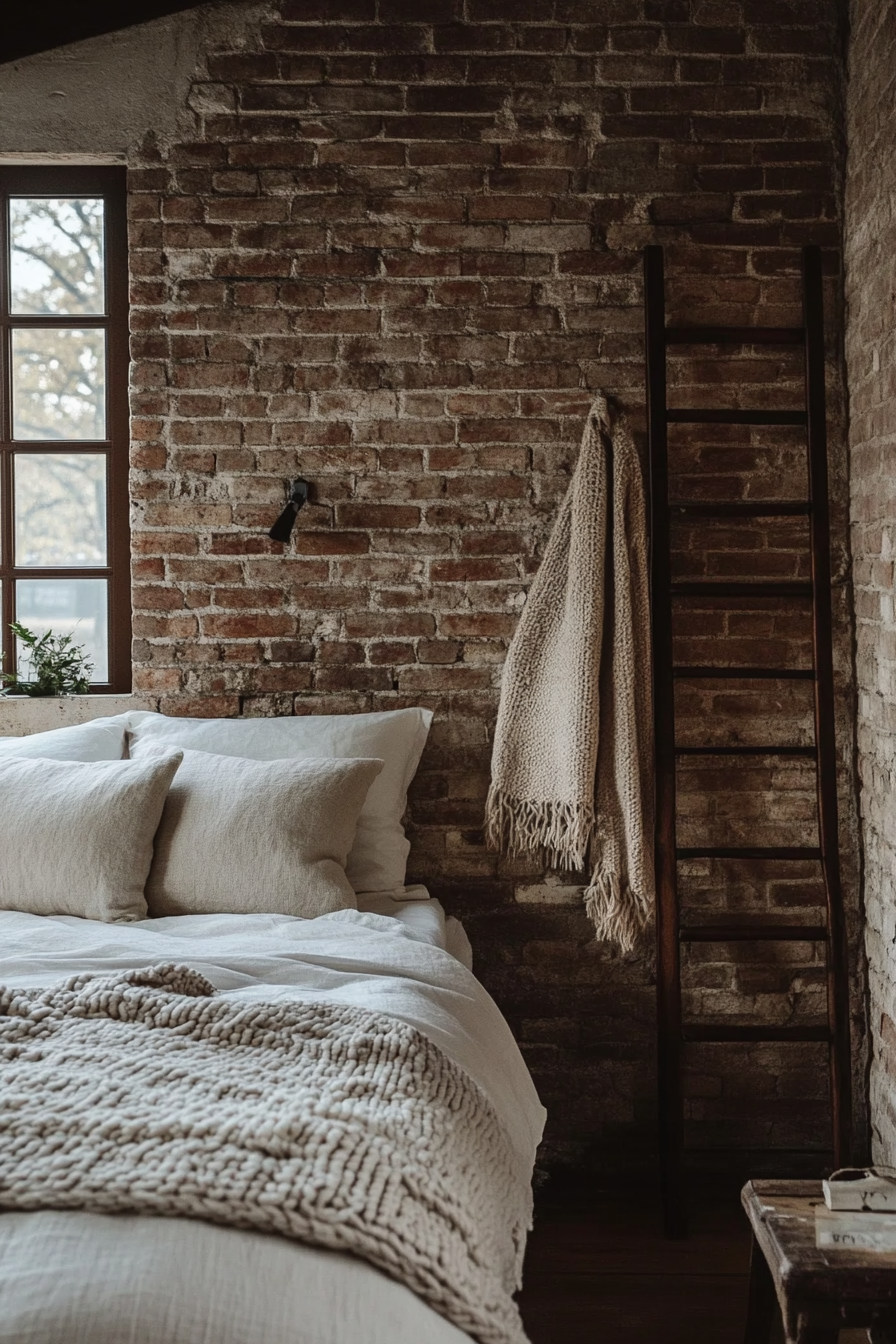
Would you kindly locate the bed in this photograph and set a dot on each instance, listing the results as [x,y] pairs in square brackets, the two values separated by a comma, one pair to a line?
[72,1270]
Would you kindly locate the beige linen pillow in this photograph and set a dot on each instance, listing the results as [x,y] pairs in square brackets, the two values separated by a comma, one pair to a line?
[76,836]
[257,837]
[379,851]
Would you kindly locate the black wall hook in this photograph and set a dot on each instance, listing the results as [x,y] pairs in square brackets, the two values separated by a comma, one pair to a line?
[298,495]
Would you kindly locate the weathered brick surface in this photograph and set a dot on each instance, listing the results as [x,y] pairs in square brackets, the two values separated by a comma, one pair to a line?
[397,252]
[871,359]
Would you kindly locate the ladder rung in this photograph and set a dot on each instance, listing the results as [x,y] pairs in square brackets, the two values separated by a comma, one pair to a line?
[750,852]
[754,932]
[768,750]
[743,508]
[723,588]
[757,1033]
[693,415]
[746,673]
[735,335]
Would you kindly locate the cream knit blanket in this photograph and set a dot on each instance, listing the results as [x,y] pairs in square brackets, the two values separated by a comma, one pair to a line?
[146,1091]
[572,767]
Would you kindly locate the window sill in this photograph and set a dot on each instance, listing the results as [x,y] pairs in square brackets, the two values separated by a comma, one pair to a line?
[21,715]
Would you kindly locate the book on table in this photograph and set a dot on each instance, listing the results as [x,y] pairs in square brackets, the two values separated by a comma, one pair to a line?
[861,1189]
[848,1230]
[859,1211]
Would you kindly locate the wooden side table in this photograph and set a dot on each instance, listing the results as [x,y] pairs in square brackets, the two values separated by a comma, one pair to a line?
[820,1291]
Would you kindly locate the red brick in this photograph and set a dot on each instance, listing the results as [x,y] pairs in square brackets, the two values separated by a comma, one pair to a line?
[258,626]
[438,651]
[234,599]
[291,651]
[478,625]
[205,571]
[370,625]
[391,651]
[156,597]
[457,678]
[353,679]
[186,514]
[238,543]
[291,679]
[145,571]
[331,543]
[207,706]
[460,571]
[377,515]
[148,458]
[339,651]
[149,679]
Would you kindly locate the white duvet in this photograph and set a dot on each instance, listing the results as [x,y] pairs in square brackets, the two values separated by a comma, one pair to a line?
[79,1278]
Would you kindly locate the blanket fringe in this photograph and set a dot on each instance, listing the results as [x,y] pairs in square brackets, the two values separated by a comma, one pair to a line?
[562,833]
[559,832]
[618,913]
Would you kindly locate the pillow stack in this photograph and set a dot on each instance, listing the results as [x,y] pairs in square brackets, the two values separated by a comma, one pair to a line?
[206,816]
[378,855]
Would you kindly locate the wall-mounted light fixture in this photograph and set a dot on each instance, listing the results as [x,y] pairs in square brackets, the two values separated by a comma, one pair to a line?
[298,495]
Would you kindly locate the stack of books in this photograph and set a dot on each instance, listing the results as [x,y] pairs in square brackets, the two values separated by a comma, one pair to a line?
[859,1211]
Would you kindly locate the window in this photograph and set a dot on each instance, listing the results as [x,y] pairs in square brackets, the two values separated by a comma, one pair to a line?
[64,543]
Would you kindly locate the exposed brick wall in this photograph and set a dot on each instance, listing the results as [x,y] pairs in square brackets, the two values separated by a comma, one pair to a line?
[396,255]
[870,253]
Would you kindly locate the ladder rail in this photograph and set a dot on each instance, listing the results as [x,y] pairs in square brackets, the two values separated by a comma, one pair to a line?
[669,1035]
[825,740]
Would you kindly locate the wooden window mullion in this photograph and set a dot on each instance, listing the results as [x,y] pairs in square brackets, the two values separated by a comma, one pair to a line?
[109,183]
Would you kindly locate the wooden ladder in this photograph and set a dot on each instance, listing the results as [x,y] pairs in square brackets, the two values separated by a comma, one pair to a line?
[673,1033]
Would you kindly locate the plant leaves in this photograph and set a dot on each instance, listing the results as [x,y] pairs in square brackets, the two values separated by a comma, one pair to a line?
[60,666]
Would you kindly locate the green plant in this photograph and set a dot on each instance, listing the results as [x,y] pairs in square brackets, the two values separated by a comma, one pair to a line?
[58,665]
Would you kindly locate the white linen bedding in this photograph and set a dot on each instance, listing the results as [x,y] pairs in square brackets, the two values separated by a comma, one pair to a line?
[414,907]
[99,1279]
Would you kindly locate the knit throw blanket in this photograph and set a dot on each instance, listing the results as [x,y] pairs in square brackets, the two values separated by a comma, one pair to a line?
[146,1091]
[572,767]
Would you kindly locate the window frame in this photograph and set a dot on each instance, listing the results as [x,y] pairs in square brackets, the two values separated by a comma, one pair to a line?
[111,184]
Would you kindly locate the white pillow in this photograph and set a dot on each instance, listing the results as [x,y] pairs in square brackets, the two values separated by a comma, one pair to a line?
[257,837]
[76,836]
[101,740]
[378,857]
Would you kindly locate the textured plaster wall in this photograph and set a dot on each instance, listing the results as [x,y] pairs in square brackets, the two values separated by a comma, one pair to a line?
[100,98]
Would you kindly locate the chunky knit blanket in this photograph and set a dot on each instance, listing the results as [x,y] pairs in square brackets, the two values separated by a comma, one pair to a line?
[572,767]
[147,1091]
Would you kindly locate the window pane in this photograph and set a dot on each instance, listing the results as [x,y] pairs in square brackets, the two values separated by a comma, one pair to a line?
[76,607]
[58,383]
[60,501]
[56,255]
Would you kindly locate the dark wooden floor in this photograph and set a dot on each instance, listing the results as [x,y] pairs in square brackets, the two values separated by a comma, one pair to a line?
[599,1271]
